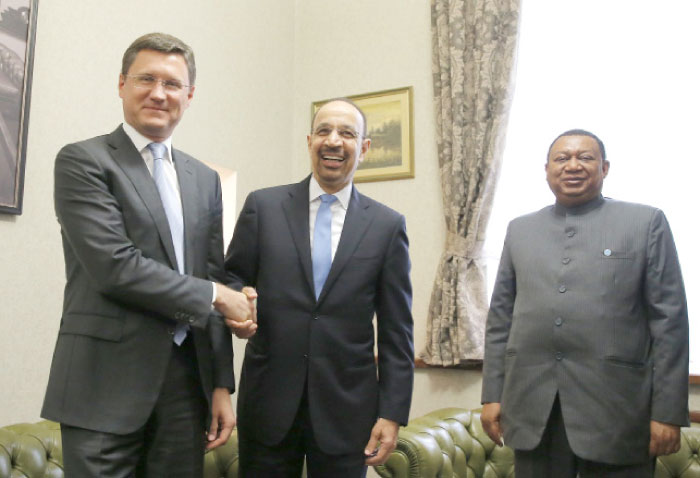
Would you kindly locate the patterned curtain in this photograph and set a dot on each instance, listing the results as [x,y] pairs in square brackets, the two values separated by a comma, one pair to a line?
[474,48]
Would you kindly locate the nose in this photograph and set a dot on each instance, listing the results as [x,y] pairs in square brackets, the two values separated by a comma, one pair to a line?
[334,138]
[158,91]
[573,164]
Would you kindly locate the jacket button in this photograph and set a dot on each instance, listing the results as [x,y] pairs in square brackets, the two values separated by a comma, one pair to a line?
[559,355]
[562,288]
[558,321]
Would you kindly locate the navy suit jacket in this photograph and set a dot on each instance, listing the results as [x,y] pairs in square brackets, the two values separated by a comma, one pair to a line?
[327,346]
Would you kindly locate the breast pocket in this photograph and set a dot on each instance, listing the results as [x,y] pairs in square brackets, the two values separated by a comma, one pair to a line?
[620,272]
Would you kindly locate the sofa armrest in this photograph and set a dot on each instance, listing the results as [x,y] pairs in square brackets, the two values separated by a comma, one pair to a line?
[447,443]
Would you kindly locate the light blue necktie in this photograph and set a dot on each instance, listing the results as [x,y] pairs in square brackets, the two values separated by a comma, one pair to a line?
[321,254]
[173,210]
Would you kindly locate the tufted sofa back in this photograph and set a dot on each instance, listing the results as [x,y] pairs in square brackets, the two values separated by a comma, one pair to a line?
[450,443]
[33,450]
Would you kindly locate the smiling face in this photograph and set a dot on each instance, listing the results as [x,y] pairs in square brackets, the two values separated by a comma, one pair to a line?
[336,145]
[575,170]
[154,112]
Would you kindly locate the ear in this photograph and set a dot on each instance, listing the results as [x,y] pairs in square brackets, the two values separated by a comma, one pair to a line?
[122,80]
[606,167]
[190,95]
[363,149]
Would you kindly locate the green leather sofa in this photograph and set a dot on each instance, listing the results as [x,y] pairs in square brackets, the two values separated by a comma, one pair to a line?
[450,443]
[446,443]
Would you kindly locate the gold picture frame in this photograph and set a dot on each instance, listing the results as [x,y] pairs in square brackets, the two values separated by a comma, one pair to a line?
[390,127]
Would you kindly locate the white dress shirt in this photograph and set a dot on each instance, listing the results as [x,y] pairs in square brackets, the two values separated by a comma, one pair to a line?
[338,210]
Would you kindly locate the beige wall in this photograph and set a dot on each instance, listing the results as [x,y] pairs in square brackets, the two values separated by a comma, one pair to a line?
[259,68]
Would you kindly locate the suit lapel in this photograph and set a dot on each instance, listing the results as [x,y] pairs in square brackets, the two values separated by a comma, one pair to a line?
[357,220]
[131,162]
[296,210]
[188,194]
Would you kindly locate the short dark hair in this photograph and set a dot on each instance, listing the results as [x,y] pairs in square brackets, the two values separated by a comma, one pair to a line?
[579,132]
[163,43]
[351,103]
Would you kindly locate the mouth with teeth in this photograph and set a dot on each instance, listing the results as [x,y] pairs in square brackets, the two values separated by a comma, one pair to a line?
[332,160]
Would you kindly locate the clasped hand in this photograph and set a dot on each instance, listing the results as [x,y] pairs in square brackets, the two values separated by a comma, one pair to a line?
[239,310]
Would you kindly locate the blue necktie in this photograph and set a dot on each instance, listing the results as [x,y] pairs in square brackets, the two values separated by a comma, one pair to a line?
[321,255]
[173,211]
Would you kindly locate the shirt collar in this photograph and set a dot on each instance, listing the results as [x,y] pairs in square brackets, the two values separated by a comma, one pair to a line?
[315,190]
[140,141]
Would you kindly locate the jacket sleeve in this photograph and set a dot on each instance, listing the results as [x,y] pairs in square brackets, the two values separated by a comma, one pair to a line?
[395,330]
[665,298]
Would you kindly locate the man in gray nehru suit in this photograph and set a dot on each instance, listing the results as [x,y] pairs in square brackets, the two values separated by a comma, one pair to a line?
[141,359]
[586,362]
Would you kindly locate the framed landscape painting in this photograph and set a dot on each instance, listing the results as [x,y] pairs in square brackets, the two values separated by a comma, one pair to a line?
[390,127]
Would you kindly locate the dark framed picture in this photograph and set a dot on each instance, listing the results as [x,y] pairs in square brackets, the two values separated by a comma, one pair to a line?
[17,35]
[390,127]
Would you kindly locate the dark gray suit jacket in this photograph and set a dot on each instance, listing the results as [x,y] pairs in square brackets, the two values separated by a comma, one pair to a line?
[123,294]
[325,346]
[589,303]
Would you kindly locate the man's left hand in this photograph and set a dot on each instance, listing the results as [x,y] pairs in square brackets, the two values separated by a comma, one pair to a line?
[222,418]
[382,442]
[665,439]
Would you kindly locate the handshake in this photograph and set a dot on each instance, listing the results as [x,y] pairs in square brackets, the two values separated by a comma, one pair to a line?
[239,310]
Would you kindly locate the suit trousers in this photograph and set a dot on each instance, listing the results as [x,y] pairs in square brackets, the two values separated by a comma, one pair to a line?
[169,445]
[553,457]
[286,459]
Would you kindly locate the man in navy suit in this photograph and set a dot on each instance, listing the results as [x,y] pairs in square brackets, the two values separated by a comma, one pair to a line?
[310,387]
[141,359]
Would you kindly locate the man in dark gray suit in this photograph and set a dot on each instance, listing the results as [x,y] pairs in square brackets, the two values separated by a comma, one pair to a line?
[141,357]
[324,259]
[586,362]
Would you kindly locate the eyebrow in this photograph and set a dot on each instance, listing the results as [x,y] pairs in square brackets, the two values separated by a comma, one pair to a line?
[342,126]
[569,150]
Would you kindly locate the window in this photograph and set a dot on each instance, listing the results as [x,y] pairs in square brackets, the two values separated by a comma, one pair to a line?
[628,71]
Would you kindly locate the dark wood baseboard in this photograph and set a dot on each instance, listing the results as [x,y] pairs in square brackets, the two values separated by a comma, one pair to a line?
[470,365]
[695,416]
